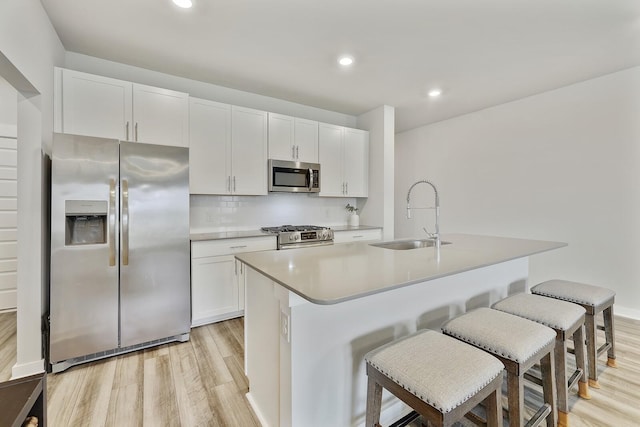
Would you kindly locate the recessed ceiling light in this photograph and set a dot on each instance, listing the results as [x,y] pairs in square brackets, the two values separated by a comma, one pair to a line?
[185,4]
[345,61]
[434,93]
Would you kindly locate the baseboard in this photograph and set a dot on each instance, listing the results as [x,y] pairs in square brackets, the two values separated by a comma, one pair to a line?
[256,411]
[26,369]
[8,299]
[626,312]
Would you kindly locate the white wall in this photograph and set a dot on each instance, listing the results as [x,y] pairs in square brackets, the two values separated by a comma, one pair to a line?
[29,48]
[377,209]
[8,109]
[562,165]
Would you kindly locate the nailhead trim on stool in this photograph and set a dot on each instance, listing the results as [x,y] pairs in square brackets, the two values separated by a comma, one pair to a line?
[567,319]
[439,377]
[519,344]
[594,299]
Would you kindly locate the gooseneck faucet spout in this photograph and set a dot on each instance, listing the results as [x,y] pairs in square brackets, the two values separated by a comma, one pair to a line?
[436,234]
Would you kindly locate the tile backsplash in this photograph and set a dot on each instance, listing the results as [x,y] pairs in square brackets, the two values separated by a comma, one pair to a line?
[236,213]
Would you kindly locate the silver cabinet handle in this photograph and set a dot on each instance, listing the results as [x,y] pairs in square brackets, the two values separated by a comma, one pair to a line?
[293,151]
[127,127]
[346,188]
[238,247]
[234,183]
[229,184]
[112,222]
[358,237]
[136,131]
[235,266]
[125,222]
[297,152]
[343,189]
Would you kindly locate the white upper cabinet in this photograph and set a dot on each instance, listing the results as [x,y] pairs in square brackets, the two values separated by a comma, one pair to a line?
[344,161]
[248,151]
[86,104]
[306,140]
[331,160]
[281,145]
[228,149]
[160,116]
[209,147]
[356,162]
[93,105]
[292,138]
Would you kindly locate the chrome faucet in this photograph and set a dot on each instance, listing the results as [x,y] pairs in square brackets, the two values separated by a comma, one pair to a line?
[436,234]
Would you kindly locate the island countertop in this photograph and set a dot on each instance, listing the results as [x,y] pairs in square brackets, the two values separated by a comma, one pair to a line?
[342,272]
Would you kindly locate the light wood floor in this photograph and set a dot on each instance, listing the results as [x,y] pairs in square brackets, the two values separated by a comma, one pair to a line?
[201,383]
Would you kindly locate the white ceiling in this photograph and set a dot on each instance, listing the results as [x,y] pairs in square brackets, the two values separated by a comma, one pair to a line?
[480,52]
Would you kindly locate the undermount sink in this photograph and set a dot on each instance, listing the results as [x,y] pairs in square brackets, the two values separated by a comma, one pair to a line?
[403,245]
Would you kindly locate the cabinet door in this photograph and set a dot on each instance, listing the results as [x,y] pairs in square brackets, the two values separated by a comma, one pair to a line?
[209,147]
[357,236]
[160,116]
[95,105]
[214,288]
[248,151]
[356,162]
[306,140]
[330,155]
[281,137]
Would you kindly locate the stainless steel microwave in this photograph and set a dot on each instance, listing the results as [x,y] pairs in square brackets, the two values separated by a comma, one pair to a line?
[294,177]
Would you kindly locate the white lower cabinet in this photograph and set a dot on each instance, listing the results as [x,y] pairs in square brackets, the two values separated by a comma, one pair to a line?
[217,278]
[357,235]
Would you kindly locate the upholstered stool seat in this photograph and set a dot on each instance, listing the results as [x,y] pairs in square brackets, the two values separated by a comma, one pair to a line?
[441,378]
[595,300]
[567,320]
[519,344]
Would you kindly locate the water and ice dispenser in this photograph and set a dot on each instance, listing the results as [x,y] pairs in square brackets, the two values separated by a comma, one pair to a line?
[86,222]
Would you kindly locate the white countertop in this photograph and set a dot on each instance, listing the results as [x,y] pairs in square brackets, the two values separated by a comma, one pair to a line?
[332,274]
[218,235]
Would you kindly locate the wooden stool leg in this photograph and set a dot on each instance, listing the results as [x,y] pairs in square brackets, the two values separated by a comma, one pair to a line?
[592,349]
[549,387]
[560,359]
[374,403]
[610,336]
[578,343]
[493,407]
[515,394]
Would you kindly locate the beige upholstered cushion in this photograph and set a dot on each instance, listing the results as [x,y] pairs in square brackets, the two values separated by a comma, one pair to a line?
[500,333]
[575,292]
[437,369]
[556,314]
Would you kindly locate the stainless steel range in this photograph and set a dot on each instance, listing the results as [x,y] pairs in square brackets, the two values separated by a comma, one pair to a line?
[301,236]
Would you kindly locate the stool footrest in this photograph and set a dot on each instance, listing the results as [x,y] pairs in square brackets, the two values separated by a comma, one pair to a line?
[536,379]
[604,347]
[577,374]
[540,416]
[406,419]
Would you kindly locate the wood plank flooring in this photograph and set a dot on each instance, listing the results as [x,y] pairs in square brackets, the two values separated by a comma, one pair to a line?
[201,383]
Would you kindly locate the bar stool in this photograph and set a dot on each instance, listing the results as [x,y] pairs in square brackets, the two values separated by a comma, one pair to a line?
[519,344]
[595,300]
[566,319]
[441,378]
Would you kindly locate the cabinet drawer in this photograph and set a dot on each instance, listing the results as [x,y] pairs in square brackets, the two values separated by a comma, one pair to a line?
[357,235]
[209,248]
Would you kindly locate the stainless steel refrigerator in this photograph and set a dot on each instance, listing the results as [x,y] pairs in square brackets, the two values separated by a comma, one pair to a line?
[120,277]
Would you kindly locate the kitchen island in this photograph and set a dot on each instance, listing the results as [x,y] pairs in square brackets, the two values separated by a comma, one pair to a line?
[311,315]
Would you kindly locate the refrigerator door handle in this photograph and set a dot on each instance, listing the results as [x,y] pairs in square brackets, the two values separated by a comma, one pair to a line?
[112,222]
[125,222]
